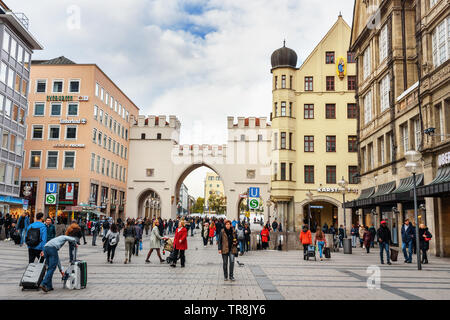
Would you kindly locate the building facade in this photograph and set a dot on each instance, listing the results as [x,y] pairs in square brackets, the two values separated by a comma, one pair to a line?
[402,50]
[183,203]
[213,186]
[77,140]
[17,48]
[314,132]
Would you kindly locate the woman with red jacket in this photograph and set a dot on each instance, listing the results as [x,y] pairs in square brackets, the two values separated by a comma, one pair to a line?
[265,237]
[305,240]
[212,232]
[180,244]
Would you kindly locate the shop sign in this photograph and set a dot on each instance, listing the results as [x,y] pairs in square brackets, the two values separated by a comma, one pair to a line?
[10,199]
[50,198]
[73,145]
[335,190]
[444,159]
[72,121]
[67,98]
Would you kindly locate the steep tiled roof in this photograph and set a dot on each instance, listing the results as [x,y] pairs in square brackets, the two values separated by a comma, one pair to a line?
[58,60]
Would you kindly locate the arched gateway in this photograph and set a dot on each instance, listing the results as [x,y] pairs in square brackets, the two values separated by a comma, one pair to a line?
[158,164]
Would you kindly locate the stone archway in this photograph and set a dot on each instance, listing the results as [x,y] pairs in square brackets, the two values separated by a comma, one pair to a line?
[149,204]
[331,212]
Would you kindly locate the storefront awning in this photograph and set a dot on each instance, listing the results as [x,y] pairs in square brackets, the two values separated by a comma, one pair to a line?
[384,189]
[365,198]
[402,193]
[439,186]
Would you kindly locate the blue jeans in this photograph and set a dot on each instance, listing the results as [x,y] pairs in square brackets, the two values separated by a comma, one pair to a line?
[22,235]
[51,258]
[242,246]
[410,249]
[321,244]
[353,241]
[384,246]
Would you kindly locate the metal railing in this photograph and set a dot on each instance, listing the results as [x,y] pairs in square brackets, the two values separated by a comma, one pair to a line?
[23,19]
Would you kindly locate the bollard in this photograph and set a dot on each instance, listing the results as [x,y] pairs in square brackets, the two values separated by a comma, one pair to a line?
[347,246]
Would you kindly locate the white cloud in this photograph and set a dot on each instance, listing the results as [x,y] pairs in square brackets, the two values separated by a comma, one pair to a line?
[148,49]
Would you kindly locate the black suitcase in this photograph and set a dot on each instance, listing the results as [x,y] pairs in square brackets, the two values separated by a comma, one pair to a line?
[311,252]
[33,276]
[394,254]
[327,253]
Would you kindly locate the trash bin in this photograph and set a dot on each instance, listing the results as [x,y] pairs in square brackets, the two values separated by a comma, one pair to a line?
[347,246]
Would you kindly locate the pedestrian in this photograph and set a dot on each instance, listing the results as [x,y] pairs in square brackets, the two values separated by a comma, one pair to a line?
[7,224]
[408,238]
[22,226]
[373,233]
[180,244]
[424,242]
[83,230]
[341,233]
[305,240]
[137,239]
[36,238]
[155,243]
[170,226]
[2,222]
[354,232]
[147,225]
[361,235]
[205,234]
[367,238]
[219,226]
[275,225]
[280,227]
[321,241]
[384,239]
[106,225]
[248,233]
[52,259]
[241,238]
[129,233]
[75,230]
[265,237]
[192,227]
[325,228]
[95,226]
[227,246]
[112,240]
[51,231]
[212,232]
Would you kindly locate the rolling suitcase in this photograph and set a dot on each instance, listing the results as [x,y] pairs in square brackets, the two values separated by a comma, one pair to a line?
[33,275]
[75,276]
[327,253]
[394,254]
[311,253]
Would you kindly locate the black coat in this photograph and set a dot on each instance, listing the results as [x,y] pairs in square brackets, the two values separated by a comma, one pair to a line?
[424,244]
[384,234]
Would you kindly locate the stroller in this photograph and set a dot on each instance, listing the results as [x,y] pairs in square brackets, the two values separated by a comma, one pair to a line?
[168,246]
[311,252]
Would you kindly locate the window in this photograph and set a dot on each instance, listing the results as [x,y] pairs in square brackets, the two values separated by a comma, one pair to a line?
[3,70]
[38,131]
[12,143]
[331,144]
[350,57]
[389,148]
[308,83]
[283,140]
[19,145]
[10,80]
[100,116]
[309,174]
[440,40]
[106,120]
[35,159]
[352,144]
[367,63]
[367,101]
[351,82]
[69,159]
[8,107]
[150,172]
[309,144]
[72,109]
[71,132]
[92,162]
[309,111]
[352,111]
[13,48]
[94,135]
[330,83]
[381,160]
[290,82]
[109,144]
[97,167]
[433,2]
[102,94]
[2,171]
[15,113]
[107,98]
[2,99]
[26,60]
[105,139]
[276,109]
[404,137]
[384,93]
[331,174]
[17,83]
[290,141]
[352,175]
[283,171]
[370,155]
[417,134]
[16,176]
[283,109]
[6,39]
[97,89]
[290,109]
[383,43]
[275,171]
[24,87]
[55,109]
[74,86]
[53,132]
[107,168]
[330,111]
[283,82]
[52,159]
[57,86]
[329,57]
[103,165]
[275,140]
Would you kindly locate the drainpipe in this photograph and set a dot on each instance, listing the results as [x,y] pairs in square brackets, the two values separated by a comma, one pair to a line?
[405,72]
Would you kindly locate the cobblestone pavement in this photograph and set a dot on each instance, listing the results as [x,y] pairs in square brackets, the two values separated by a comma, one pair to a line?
[265,275]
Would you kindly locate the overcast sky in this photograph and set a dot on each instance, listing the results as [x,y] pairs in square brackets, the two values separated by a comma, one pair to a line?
[201,60]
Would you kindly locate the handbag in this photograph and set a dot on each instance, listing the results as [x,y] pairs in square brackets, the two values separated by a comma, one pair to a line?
[140,245]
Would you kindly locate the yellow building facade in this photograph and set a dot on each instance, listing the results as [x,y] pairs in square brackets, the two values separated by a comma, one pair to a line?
[213,185]
[314,122]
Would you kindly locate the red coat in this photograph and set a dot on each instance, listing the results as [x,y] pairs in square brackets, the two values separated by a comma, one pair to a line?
[212,231]
[180,235]
[265,235]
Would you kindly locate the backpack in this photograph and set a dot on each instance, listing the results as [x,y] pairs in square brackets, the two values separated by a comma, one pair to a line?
[33,237]
[240,234]
[106,225]
[113,241]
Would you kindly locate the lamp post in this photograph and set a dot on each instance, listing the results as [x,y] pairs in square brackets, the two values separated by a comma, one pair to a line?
[413,158]
[343,184]
[311,198]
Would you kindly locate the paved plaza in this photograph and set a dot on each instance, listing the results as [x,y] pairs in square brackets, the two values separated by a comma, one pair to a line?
[264,275]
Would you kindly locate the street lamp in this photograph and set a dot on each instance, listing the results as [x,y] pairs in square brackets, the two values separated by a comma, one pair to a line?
[413,158]
[310,195]
[343,184]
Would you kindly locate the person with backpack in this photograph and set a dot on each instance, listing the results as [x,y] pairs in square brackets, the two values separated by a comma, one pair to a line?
[52,259]
[22,226]
[130,234]
[241,238]
[36,238]
[112,240]
[155,242]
